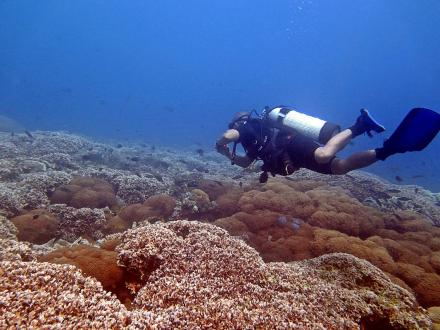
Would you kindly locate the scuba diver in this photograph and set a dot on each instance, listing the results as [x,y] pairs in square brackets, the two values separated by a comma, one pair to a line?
[287,140]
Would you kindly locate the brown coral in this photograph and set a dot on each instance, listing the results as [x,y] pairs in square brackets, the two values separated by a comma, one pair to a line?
[96,262]
[157,206]
[154,206]
[382,239]
[37,226]
[85,192]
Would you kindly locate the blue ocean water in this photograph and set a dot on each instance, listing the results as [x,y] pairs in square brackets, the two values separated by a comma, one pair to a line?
[173,72]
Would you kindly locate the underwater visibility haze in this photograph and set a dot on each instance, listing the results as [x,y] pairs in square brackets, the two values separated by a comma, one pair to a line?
[174,72]
[118,209]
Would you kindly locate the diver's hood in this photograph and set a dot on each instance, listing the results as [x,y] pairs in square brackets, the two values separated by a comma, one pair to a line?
[238,119]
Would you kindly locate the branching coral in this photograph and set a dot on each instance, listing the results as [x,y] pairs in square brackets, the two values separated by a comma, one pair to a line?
[194,275]
[38,295]
[10,248]
[79,222]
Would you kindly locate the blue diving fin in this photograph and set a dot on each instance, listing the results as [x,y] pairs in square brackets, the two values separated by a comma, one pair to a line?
[415,132]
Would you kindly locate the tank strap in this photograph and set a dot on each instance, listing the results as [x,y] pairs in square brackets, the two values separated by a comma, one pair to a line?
[282,114]
[234,152]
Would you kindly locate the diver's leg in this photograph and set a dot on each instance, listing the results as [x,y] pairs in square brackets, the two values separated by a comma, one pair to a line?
[353,162]
[364,124]
[336,143]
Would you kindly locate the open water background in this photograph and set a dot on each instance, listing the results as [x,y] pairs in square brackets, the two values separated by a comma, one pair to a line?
[173,72]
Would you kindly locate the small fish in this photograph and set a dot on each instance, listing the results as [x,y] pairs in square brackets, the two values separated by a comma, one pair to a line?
[417,176]
[404,199]
[240,184]
[29,135]
[35,216]
[200,152]
[12,134]
[153,148]
[416,190]
[218,182]
[100,169]
[119,145]
[398,178]
[394,191]
[134,158]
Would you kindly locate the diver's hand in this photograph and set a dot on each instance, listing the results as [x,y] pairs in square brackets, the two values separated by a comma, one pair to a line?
[223,150]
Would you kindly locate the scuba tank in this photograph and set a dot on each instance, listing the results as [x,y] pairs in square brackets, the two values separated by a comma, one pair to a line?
[315,128]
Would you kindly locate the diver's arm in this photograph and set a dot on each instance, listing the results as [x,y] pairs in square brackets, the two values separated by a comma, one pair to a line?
[242,161]
[231,135]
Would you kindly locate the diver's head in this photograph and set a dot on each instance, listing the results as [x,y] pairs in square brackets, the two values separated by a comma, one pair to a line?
[239,119]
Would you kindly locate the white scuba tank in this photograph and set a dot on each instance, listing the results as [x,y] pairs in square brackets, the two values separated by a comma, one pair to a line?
[315,128]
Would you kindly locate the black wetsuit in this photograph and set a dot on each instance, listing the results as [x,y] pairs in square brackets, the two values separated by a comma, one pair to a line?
[273,145]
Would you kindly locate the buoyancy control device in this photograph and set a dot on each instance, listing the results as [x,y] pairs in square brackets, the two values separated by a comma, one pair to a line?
[315,128]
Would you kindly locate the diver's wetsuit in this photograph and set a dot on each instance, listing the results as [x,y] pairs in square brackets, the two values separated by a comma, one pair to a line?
[271,145]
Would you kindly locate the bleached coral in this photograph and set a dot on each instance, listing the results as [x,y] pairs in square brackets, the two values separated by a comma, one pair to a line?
[42,295]
[197,276]
[76,222]
[10,248]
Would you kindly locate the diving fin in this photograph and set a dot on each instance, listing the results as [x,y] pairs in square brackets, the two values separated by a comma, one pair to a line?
[415,132]
[365,123]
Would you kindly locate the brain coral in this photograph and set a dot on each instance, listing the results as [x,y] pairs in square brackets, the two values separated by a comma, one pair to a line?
[85,192]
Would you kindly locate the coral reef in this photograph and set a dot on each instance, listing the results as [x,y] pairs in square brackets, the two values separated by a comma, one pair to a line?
[155,207]
[195,275]
[374,191]
[98,263]
[79,222]
[38,295]
[293,219]
[10,248]
[85,192]
[402,244]
[37,226]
